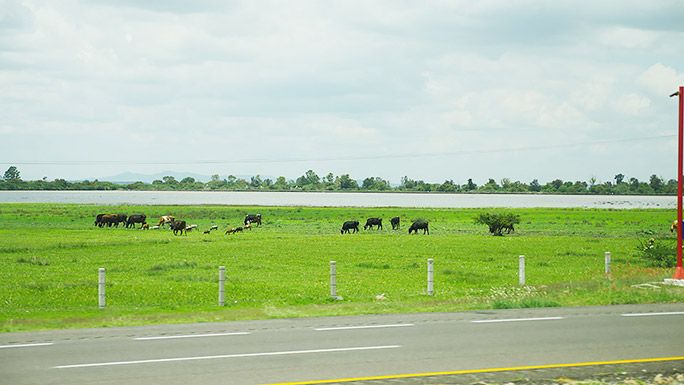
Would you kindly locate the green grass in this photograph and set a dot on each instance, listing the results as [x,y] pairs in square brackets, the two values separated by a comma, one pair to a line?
[50,255]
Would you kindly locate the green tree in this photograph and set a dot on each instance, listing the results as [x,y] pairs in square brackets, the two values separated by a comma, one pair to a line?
[470,186]
[12,174]
[347,183]
[656,183]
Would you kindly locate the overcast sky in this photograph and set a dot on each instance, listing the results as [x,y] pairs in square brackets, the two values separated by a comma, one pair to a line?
[432,90]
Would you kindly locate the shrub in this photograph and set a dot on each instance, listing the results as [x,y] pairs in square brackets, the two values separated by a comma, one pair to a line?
[658,253]
[498,222]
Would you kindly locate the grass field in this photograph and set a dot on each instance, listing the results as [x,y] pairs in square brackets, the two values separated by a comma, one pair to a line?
[50,255]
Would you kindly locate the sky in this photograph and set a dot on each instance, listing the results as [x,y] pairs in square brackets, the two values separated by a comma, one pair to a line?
[432,90]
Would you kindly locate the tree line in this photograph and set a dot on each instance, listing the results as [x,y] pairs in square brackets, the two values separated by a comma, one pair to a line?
[310,181]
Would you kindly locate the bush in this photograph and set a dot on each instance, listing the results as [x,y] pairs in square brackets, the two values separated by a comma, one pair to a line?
[498,222]
[658,253]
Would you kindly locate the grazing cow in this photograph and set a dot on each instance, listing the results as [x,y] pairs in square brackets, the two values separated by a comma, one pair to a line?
[98,219]
[419,224]
[190,228]
[233,230]
[253,218]
[349,225]
[207,231]
[165,219]
[107,220]
[120,218]
[213,227]
[145,227]
[178,226]
[370,222]
[395,223]
[136,218]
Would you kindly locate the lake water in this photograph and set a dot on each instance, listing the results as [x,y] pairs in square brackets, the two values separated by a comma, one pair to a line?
[322,199]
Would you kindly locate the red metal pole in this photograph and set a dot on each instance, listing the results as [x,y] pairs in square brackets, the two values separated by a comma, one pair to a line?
[679,270]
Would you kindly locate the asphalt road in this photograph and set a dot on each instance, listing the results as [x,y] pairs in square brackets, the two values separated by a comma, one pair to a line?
[314,349]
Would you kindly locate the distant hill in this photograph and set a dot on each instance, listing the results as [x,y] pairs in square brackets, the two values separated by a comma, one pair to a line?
[131,177]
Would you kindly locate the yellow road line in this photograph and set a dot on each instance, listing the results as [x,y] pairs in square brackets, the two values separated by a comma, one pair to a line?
[490,370]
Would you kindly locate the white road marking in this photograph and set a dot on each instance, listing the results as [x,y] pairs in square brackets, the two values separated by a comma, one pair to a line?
[191,336]
[25,345]
[225,356]
[516,320]
[652,314]
[364,327]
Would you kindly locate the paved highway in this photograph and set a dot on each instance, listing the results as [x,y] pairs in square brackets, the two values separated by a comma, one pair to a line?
[315,349]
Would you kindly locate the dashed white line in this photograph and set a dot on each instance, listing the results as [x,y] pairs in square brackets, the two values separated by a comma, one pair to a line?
[516,320]
[191,336]
[364,327]
[114,363]
[25,345]
[653,314]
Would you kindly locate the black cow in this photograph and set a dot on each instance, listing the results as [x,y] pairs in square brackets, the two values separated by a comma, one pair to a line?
[119,218]
[419,224]
[395,223]
[177,226]
[350,225]
[107,220]
[136,218]
[370,222]
[253,218]
[98,219]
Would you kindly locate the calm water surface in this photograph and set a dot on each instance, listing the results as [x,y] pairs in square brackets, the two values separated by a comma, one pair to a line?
[319,199]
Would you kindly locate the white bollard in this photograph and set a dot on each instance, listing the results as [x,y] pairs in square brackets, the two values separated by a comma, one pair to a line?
[333,279]
[607,261]
[521,270]
[222,286]
[430,277]
[101,287]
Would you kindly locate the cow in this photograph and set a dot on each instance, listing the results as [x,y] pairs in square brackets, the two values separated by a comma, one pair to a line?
[119,218]
[395,223]
[136,218]
[213,227]
[253,218]
[178,226]
[417,225]
[145,227]
[165,219]
[370,222]
[190,228]
[233,230]
[349,225]
[107,220]
[98,219]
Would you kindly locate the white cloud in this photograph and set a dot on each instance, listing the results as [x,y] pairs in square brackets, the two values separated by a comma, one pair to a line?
[660,79]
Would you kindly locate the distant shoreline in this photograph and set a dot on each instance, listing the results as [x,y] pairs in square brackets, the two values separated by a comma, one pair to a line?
[340,199]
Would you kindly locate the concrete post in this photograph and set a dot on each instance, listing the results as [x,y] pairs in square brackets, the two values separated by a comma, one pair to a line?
[222,286]
[430,277]
[521,270]
[101,288]
[607,261]
[333,279]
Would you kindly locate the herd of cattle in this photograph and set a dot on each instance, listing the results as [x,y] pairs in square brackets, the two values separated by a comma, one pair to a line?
[181,227]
